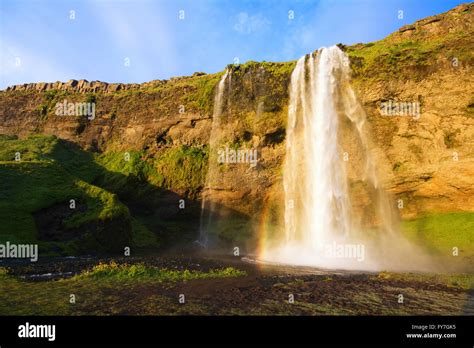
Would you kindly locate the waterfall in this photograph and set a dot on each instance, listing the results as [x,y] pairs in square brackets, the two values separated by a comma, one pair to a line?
[207,206]
[321,227]
[321,209]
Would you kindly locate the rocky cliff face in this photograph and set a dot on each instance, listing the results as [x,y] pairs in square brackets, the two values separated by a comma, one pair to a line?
[425,160]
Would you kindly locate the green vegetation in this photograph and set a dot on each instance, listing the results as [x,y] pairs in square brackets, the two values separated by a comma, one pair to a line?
[180,169]
[402,58]
[108,189]
[104,290]
[91,98]
[274,68]
[117,272]
[31,149]
[143,237]
[440,233]
[277,75]
[388,58]
[109,289]
[183,169]
[460,281]
[50,99]
[37,190]
[202,96]
[233,229]
[194,93]
[38,181]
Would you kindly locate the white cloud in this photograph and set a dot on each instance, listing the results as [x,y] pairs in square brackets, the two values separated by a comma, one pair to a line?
[249,24]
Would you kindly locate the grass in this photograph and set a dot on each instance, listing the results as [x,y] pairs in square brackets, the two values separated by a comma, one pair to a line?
[180,168]
[107,289]
[459,281]
[274,68]
[51,173]
[389,58]
[441,232]
[118,289]
[142,236]
[195,93]
[30,149]
[402,58]
[32,186]
[202,96]
[232,228]
[105,206]
[140,272]
[269,79]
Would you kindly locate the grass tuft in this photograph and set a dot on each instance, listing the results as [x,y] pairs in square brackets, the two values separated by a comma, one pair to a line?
[115,271]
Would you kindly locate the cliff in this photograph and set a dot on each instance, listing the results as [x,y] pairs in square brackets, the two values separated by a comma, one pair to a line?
[164,128]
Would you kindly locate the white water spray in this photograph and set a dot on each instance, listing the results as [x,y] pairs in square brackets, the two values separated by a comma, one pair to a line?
[321,228]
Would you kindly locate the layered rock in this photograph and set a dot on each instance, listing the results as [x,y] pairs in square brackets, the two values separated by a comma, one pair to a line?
[82,86]
[427,162]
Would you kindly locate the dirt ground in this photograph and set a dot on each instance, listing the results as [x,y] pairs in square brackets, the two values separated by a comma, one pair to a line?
[264,290]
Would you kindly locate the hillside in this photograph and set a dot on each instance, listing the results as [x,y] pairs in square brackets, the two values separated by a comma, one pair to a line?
[148,147]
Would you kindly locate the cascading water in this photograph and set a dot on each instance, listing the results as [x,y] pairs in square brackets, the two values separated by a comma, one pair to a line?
[320,225]
[207,206]
[322,209]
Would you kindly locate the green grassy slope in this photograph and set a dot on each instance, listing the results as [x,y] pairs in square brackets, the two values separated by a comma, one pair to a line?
[440,233]
[48,175]
[122,197]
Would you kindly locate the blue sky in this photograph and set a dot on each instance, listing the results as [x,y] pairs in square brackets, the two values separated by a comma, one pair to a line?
[40,42]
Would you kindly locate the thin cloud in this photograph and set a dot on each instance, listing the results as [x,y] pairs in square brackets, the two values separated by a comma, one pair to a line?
[250,24]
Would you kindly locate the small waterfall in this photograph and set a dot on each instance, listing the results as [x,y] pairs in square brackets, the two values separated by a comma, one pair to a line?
[207,206]
[321,226]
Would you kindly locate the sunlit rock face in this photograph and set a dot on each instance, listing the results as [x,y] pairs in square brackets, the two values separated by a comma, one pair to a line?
[321,227]
[426,162]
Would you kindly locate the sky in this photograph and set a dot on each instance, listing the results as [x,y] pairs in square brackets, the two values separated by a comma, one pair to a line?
[143,40]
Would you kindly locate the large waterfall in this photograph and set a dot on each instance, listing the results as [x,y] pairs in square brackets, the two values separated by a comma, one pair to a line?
[316,205]
[321,226]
